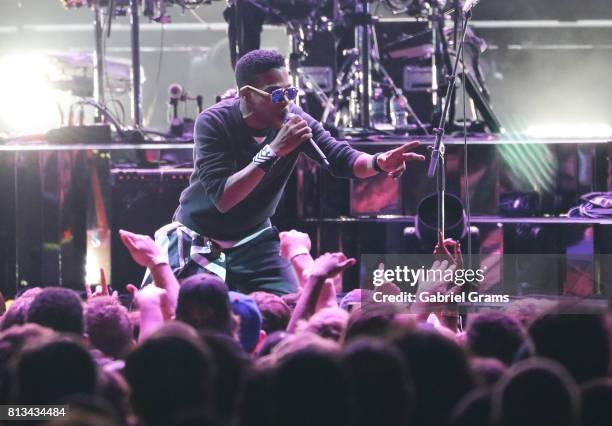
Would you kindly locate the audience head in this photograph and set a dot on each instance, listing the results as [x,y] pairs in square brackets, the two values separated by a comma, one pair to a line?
[596,399]
[536,392]
[203,303]
[50,373]
[296,343]
[108,326]
[17,313]
[274,311]
[487,371]
[495,335]
[114,389]
[13,342]
[578,341]
[473,410]
[248,313]
[353,299]
[270,342]
[59,309]
[383,388]
[371,320]
[170,375]
[256,403]
[329,323]
[440,371]
[312,388]
[90,410]
[232,366]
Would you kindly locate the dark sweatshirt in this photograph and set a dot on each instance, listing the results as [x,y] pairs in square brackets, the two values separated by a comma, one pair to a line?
[223,146]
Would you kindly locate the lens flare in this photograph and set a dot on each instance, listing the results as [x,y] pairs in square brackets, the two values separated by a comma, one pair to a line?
[28,103]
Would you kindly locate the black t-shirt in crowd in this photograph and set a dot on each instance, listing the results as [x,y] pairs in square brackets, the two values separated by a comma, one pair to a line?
[223,146]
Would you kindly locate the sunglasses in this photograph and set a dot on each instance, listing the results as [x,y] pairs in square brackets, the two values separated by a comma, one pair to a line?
[276,95]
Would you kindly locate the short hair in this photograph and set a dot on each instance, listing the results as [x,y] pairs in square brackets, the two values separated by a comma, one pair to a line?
[232,365]
[169,375]
[203,303]
[534,393]
[59,309]
[579,342]
[311,378]
[108,326]
[487,371]
[255,63]
[17,313]
[294,343]
[474,409]
[595,397]
[382,381]
[52,372]
[434,359]
[274,311]
[329,323]
[13,342]
[495,335]
[371,320]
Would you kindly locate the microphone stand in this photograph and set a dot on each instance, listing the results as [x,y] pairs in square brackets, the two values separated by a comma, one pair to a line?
[436,163]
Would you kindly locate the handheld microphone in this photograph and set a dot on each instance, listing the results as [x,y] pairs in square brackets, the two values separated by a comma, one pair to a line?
[315,147]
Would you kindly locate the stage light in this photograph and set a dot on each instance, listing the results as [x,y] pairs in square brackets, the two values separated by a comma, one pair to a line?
[28,104]
[567,130]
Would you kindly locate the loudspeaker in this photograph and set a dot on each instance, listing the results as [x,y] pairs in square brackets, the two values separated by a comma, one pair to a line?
[142,201]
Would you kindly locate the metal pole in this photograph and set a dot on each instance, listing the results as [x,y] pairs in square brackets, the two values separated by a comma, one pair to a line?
[362,35]
[294,60]
[99,59]
[135,39]
[436,164]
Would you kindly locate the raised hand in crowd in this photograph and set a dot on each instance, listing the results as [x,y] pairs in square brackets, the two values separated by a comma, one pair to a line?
[143,250]
[295,247]
[153,303]
[319,286]
[436,285]
[100,290]
[329,265]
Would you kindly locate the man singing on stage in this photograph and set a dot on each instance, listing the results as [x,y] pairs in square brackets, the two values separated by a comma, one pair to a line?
[245,150]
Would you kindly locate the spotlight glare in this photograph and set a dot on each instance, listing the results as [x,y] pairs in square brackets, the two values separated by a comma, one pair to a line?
[575,130]
[28,104]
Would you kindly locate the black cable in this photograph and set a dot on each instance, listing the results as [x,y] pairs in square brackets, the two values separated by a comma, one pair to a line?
[103,109]
[121,107]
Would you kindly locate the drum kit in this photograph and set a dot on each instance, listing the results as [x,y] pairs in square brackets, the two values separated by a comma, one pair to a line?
[369,94]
